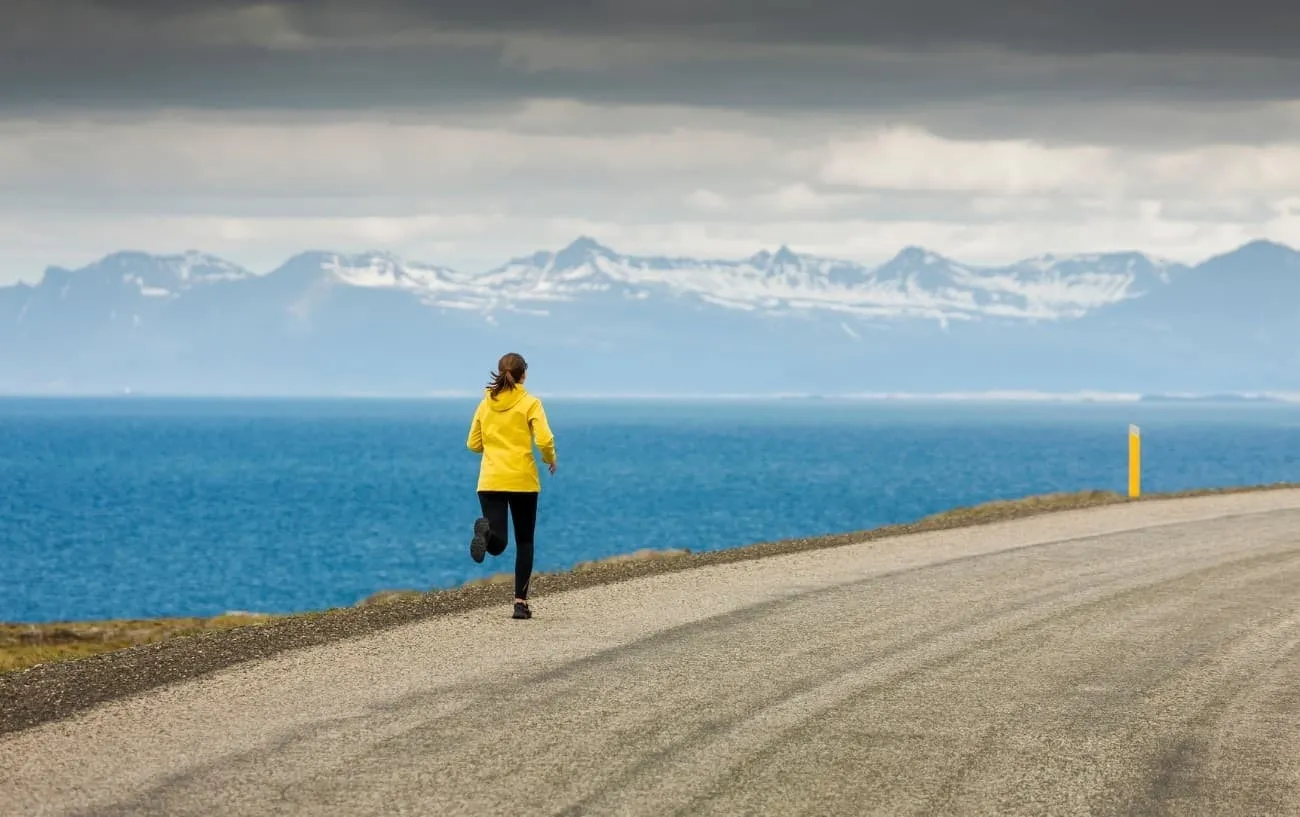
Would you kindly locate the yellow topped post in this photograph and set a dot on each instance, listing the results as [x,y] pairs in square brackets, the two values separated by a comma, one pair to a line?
[1134,462]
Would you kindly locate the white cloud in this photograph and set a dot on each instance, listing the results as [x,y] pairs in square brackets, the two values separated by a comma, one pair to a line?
[707,200]
[910,159]
[1217,170]
[799,198]
[1286,217]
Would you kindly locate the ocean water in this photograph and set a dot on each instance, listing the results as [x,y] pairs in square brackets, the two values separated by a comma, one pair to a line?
[132,507]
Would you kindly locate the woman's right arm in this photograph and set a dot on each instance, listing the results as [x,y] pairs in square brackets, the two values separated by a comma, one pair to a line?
[542,433]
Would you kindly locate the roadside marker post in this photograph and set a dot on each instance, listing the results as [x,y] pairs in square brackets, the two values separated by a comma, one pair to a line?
[1134,462]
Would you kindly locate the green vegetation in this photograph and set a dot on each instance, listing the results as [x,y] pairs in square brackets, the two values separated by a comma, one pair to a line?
[26,645]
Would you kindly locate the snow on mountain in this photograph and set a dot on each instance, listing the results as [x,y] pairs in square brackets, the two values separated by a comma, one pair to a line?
[169,275]
[584,267]
[431,284]
[1071,286]
[150,276]
[1136,273]
[195,269]
[916,283]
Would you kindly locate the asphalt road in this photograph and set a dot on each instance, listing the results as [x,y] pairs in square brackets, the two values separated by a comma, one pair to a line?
[1135,659]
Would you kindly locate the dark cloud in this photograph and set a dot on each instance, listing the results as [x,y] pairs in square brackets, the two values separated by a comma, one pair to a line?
[910,55]
[1035,26]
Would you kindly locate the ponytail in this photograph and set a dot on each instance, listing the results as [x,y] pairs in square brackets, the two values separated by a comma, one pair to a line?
[510,370]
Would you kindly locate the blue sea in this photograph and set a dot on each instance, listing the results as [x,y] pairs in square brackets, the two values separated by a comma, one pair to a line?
[133,507]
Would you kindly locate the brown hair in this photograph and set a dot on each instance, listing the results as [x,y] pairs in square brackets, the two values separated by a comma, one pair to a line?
[510,370]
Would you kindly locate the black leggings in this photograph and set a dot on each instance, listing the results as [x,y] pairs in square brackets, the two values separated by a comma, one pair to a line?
[523,509]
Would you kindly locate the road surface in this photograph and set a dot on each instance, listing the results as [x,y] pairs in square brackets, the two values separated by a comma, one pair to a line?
[1135,659]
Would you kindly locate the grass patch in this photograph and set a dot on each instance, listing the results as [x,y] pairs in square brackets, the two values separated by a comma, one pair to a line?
[1005,510]
[646,555]
[27,645]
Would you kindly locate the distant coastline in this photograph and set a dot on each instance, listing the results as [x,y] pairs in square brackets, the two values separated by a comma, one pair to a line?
[1217,398]
[900,397]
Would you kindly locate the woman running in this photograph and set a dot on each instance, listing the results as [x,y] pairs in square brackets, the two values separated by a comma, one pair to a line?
[506,423]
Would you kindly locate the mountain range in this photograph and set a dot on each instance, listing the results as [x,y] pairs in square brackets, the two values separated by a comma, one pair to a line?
[594,321]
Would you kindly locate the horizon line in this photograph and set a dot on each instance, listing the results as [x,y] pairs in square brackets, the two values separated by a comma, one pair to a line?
[1000,396]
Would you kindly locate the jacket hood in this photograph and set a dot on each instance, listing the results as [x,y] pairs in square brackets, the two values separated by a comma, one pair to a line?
[507,400]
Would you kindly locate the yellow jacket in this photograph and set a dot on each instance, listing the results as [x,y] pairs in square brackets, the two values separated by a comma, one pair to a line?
[503,431]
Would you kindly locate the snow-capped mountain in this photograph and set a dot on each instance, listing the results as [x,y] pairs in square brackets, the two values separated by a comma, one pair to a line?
[152,276]
[774,321]
[916,283]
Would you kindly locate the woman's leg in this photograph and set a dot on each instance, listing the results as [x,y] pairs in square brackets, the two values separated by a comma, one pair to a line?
[523,507]
[495,505]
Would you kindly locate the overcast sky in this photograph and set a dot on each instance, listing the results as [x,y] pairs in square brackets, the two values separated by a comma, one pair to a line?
[464,132]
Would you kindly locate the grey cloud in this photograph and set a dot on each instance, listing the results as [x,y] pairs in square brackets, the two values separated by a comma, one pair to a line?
[1116,122]
[1036,26]
[810,54]
[1239,212]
